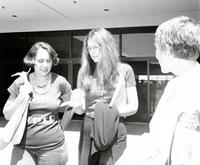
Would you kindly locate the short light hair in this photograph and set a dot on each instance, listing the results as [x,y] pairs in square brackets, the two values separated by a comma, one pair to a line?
[30,56]
[181,36]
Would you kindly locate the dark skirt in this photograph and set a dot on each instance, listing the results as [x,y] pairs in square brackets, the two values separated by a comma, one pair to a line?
[107,157]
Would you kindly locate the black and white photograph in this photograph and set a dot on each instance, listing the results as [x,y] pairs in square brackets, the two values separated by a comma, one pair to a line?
[100,82]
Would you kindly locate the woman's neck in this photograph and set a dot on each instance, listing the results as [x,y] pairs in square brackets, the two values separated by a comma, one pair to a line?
[39,77]
[40,80]
[41,84]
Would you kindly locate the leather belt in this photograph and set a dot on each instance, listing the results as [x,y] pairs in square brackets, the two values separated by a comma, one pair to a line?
[36,119]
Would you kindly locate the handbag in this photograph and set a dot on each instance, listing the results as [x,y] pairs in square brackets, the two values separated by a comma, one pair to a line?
[14,129]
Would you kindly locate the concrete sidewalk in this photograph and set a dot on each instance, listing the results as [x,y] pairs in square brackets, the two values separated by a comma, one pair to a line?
[72,138]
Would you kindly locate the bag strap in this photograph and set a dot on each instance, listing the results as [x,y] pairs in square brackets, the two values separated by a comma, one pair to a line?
[169,160]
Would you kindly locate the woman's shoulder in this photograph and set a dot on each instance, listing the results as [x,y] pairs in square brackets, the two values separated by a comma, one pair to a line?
[124,68]
[127,72]
[59,79]
[57,76]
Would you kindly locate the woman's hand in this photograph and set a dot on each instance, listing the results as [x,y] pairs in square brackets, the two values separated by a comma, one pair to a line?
[77,98]
[77,101]
[190,120]
[26,88]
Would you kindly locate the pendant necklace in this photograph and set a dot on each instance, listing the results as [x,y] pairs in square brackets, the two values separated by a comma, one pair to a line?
[42,87]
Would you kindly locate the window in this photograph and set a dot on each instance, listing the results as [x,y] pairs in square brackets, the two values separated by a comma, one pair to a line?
[157,83]
[60,41]
[140,70]
[76,67]
[77,42]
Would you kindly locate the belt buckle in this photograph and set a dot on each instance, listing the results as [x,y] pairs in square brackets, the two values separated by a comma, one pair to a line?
[33,120]
[52,117]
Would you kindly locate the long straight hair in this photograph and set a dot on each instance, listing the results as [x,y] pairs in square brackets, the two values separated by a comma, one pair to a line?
[106,69]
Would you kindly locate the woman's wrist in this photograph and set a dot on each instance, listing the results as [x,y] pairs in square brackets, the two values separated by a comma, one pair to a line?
[78,110]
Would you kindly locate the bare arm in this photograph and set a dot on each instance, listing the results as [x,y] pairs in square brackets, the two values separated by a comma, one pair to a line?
[132,102]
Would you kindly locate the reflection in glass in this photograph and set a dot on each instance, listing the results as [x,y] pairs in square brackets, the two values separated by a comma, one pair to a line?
[116,37]
[76,67]
[13,47]
[158,82]
[61,69]
[138,45]
[77,42]
[9,70]
[140,70]
[78,38]
[60,41]
[77,46]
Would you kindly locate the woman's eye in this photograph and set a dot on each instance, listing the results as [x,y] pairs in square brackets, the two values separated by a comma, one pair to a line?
[40,61]
[49,61]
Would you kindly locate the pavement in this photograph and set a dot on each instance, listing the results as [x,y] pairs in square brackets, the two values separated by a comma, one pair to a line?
[72,138]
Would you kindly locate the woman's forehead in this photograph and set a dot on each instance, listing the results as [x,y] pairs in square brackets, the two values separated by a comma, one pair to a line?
[92,42]
[42,53]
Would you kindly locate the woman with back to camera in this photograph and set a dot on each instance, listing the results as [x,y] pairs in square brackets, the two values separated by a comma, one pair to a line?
[43,142]
[177,43]
[97,81]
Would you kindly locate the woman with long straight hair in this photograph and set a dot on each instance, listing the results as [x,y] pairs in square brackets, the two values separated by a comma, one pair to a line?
[100,73]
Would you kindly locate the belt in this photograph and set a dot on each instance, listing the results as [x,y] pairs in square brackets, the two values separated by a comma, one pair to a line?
[37,119]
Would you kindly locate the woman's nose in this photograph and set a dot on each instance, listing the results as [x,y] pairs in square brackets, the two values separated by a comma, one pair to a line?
[45,64]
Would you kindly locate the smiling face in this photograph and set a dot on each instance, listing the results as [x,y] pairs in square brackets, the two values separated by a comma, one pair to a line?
[94,50]
[42,62]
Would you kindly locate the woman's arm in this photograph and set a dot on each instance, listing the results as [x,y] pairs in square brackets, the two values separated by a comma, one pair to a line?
[132,102]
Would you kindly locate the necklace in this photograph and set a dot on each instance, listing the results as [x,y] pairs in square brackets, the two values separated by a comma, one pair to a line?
[42,87]
[41,84]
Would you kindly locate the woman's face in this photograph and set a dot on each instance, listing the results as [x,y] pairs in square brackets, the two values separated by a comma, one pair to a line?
[42,62]
[94,50]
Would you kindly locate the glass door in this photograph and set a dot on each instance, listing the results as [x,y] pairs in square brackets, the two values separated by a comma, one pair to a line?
[157,83]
